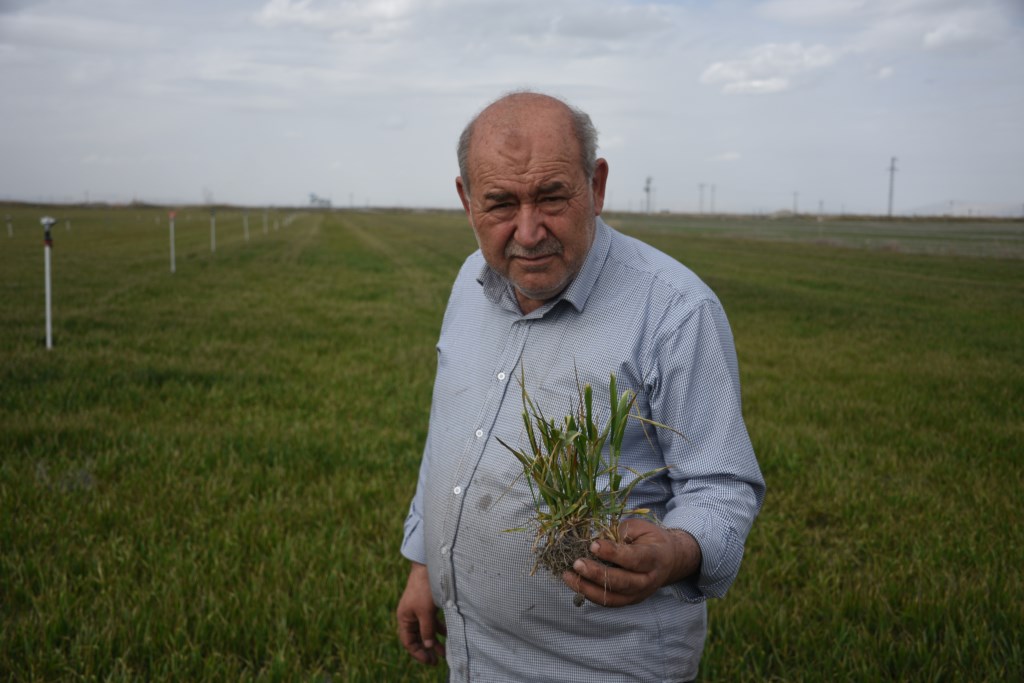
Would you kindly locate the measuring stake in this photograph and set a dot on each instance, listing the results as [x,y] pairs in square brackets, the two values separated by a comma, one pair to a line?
[48,242]
[170,221]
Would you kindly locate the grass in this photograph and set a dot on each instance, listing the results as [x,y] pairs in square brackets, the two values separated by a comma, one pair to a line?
[206,477]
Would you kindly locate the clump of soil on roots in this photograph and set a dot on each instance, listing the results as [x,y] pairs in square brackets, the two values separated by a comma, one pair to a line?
[559,552]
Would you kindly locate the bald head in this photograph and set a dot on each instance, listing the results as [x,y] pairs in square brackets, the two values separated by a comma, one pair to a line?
[513,114]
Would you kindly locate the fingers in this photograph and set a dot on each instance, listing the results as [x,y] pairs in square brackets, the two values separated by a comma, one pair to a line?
[625,573]
[430,627]
[418,635]
[412,641]
[418,622]
[635,553]
[609,586]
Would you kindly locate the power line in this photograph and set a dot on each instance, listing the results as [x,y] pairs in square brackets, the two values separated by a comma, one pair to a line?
[892,181]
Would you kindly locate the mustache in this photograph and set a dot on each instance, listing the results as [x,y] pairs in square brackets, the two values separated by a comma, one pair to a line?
[546,247]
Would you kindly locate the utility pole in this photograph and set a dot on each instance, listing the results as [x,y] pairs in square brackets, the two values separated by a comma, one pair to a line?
[712,198]
[701,186]
[647,191]
[892,180]
[796,203]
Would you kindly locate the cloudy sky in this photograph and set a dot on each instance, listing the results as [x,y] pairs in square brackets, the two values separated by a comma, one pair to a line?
[766,104]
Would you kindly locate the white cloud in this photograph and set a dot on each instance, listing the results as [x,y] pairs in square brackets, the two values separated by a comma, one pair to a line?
[934,25]
[472,24]
[770,68]
[812,11]
[898,24]
[363,19]
[954,32]
[76,32]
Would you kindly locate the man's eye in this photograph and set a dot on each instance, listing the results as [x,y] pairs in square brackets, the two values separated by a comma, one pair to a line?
[502,210]
[553,203]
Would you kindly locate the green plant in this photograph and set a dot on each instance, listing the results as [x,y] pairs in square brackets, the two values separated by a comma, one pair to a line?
[579,495]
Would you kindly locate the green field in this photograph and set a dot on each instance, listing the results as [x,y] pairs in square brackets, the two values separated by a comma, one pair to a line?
[206,477]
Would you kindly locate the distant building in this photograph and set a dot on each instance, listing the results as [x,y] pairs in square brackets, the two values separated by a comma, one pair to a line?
[319,202]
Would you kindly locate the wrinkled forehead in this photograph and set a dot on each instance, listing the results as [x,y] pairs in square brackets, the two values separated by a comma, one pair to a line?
[522,142]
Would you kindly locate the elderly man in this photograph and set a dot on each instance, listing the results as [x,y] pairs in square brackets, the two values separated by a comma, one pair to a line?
[554,296]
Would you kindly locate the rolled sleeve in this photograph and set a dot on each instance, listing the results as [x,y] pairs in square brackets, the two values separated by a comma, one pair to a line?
[413,539]
[721,544]
[717,485]
[412,542]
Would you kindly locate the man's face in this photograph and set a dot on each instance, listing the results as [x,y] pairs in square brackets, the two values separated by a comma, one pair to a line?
[530,203]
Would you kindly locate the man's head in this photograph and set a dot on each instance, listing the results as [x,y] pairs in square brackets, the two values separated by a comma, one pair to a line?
[531,186]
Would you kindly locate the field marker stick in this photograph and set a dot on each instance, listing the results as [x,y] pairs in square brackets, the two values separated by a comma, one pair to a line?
[245,222]
[48,242]
[170,222]
[213,230]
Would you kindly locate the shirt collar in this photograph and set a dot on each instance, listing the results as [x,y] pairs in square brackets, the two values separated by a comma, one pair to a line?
[500,291]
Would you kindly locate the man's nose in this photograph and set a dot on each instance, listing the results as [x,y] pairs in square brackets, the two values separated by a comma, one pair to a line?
[530,229]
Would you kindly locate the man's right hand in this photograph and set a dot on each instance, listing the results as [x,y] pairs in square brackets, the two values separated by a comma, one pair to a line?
[418,623]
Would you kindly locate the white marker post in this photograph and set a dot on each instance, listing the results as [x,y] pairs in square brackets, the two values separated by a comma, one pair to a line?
[170,222]
[48,241]
[213,230]
[245,222]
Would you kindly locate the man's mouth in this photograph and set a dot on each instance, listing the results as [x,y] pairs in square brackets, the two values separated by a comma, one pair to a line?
[549,247]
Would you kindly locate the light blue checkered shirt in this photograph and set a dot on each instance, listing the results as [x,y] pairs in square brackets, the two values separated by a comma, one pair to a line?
[642,315]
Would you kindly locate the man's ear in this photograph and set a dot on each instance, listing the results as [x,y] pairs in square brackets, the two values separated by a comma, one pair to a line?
[598,185]
[463,193]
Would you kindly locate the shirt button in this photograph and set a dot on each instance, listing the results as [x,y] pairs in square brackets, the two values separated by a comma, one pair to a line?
[501,376]
[450,604]
[457,490]
[479,433]
[444,551]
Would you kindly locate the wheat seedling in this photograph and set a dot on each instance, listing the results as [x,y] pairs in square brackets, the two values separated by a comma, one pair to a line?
[578,495]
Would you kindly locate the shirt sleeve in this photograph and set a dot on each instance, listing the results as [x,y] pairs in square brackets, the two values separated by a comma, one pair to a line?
[413,543]
[413,539]
[717,486]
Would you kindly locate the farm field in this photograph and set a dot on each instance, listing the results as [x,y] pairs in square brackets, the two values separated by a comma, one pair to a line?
[206,477]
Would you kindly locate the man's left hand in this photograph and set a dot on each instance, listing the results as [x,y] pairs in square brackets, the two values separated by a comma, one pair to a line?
[649,557]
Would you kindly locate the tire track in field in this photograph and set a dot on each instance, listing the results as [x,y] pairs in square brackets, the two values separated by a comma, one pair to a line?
[302,238]
[409,272]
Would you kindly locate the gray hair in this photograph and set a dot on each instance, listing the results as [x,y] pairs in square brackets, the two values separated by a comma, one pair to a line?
[582,126]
